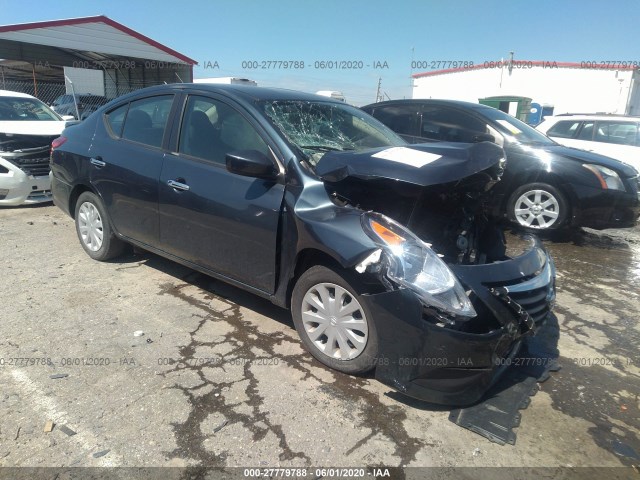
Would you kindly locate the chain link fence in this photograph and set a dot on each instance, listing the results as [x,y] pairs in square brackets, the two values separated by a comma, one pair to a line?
[61,98]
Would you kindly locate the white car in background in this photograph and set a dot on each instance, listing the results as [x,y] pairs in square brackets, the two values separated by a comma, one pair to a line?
[332,94]
[27,128]
[616,136]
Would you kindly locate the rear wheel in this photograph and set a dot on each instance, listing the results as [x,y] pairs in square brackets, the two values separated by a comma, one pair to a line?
[538,206]
[93,228]
[333,322]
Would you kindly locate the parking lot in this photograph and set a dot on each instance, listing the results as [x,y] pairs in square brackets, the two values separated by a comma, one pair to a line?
[163,366]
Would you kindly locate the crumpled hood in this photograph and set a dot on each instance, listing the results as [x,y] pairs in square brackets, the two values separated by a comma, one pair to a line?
[36,127]
[422,164]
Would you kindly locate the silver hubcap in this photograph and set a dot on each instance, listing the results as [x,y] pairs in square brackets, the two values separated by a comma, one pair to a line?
[90,226]
[537,209]
[334,321]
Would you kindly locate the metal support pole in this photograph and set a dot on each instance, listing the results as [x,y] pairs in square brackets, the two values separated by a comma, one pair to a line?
[75,100]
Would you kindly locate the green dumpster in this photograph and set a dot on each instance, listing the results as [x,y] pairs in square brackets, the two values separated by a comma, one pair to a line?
[519,107]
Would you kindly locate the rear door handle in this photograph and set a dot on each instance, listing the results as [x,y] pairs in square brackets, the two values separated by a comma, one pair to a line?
[97,162]
[178,185]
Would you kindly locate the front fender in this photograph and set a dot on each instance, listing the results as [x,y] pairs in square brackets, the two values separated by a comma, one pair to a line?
[311,221]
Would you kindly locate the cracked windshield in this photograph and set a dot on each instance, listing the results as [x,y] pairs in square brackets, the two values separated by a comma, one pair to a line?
[320,127]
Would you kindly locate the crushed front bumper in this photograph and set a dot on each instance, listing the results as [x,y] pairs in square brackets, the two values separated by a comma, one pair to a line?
[24,185]
[422,358]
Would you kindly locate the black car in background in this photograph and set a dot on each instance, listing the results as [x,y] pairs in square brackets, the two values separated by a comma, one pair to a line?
[546,185]
[87,104]
[383,252]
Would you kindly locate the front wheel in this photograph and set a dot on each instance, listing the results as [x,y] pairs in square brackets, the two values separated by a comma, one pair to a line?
[94,231]
[538,206]
[333,322]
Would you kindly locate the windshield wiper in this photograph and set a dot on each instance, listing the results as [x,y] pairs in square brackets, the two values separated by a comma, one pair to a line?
[324,148]
[536,143]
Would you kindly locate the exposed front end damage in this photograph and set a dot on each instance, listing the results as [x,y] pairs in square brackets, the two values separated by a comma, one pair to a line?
[24,169]
[426,356]
[412,225]
[455,307]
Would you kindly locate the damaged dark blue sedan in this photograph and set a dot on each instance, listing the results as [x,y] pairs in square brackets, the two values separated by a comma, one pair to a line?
[385,253]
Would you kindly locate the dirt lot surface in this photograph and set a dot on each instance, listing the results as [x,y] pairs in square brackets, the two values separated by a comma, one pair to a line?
[218,377]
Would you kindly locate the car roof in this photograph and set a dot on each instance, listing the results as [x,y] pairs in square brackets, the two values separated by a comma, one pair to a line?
[240,92]
[584,116]
[430,101]
[9,93]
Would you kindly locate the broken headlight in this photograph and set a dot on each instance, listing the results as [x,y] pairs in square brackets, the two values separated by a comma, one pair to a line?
[412,264]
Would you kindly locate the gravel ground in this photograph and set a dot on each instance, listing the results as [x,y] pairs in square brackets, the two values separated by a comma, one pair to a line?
[219,378]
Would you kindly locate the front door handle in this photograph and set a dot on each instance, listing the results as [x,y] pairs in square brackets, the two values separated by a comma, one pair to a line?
[97,161]
[178,185]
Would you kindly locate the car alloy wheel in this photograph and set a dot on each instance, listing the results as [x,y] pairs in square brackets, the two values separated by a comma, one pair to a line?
[537,209]
[90,226]
[334,321]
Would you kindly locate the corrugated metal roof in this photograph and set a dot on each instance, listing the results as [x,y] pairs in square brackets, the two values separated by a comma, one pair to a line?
[97,34]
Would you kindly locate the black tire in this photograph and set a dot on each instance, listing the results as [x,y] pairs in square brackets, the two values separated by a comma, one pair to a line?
[317,277]
[111,246]
[541,219]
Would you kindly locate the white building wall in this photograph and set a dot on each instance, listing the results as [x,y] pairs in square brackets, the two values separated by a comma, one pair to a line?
[567,89]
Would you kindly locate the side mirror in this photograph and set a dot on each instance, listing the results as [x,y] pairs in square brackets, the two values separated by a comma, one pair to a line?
[484,137]
[68,117]
[251,163]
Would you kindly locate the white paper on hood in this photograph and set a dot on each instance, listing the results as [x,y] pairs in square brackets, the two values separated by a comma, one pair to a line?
[408,156]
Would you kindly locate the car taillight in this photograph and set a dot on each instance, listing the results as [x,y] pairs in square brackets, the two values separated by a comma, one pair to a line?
[56,143]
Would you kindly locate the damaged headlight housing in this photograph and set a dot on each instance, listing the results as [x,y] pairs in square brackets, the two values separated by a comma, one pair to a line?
[412,264]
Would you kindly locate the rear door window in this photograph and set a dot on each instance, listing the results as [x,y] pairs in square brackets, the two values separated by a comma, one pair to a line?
[115,119]
[619,133]
[402,119]
[450,125]
[146,120]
